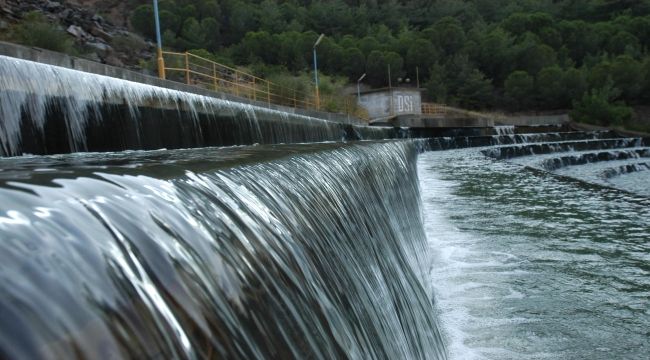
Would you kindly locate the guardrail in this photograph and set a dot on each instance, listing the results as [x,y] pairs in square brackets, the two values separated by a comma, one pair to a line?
[434,109]
[199,71]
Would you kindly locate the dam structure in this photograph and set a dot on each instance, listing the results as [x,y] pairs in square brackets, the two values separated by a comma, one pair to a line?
[143,221]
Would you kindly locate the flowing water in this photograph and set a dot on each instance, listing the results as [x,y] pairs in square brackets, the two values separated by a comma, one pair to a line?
[541,256]
[529,246]
[295,251]
[49,109]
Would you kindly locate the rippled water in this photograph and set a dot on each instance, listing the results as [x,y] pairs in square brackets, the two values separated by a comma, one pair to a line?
[531,265]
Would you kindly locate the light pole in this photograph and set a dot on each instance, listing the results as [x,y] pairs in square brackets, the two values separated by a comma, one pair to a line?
[316,70]
[358,86]
[161,61]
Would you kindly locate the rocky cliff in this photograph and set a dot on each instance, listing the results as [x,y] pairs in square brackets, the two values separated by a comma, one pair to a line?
[99,29]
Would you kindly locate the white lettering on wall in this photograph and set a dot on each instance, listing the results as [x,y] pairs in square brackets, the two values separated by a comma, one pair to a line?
[405,103]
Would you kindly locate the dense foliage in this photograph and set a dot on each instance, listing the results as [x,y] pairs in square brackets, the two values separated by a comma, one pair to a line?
[515,55]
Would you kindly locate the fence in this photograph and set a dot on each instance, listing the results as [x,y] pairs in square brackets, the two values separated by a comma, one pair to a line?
[199,71]
[433,109]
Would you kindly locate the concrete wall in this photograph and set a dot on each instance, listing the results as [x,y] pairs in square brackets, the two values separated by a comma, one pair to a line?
[390,102]
[63,60]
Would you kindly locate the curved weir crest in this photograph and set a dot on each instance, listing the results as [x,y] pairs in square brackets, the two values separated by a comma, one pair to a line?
[319,254]
[48,109]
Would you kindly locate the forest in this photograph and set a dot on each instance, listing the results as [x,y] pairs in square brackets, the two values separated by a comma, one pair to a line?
[587,55]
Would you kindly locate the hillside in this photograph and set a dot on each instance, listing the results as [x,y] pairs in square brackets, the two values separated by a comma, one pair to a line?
[480,54]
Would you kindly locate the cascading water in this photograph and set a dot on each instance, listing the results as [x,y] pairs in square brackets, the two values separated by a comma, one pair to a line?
[504,130]
[302,251]
[49,109]
[540,251]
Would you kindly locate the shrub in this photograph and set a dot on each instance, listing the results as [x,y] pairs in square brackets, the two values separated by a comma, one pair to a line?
[36,30]
[596,107]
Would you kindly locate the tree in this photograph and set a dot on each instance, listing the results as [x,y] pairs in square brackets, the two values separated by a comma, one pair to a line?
[447,34]
[476,91]
[626,73]
[550,87]
[436,85]
[421,54]
[518,89]
[597,107]
[354,63]
[574,85]
[142,21]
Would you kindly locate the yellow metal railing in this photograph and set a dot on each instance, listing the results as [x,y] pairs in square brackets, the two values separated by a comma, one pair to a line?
[199,71]
[434,109]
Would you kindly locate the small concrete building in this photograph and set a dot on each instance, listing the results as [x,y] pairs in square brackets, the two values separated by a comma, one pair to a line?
[390,102]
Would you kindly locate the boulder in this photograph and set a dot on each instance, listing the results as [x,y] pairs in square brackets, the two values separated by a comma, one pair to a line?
[101,48]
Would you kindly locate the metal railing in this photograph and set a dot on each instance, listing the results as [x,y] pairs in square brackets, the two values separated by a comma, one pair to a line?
[198,71]
[441,110]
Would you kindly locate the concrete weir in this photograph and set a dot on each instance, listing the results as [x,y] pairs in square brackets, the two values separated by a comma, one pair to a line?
[53,103]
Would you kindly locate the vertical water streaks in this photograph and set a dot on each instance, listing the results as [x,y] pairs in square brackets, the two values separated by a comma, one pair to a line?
[49,109]
[317,255]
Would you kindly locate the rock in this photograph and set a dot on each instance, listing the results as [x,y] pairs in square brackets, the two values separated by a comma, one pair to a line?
[4,25]
[93,57]
[65,13]
[52,5]
[100,33]
[113,60]
[78,32]
[101,48]
[97,18]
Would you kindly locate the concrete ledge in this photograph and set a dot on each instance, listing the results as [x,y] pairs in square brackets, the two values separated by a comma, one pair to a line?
[430,122]
[63,60]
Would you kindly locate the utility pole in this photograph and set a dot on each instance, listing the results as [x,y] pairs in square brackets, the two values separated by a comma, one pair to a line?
[320,38]
[161,61]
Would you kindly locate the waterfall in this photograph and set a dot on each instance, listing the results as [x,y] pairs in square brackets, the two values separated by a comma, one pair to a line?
[504,130]
[48,109]
[314,251]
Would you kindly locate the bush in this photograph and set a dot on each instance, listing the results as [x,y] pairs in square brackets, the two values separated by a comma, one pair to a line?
[596,107]
[36,30]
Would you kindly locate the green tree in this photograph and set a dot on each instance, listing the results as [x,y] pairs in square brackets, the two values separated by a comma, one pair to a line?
[574,85]
[354,63]
[142,21]
[421,54]
[550,87]
[519,88]
[626,72]
[448,35]
[436,85]
[475,92]
[598,107]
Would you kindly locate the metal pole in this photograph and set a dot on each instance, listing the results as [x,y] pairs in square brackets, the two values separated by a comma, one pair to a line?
[389,81]
[316,70]
[316,79]
[187,68]
[359,88]
[417,76]
[161,61]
